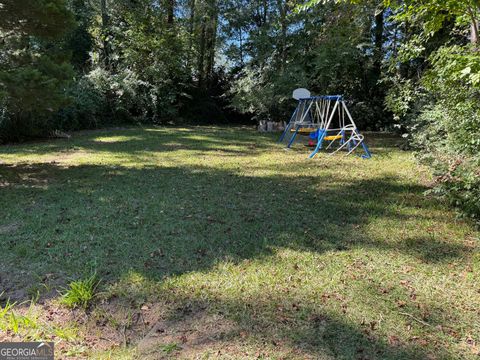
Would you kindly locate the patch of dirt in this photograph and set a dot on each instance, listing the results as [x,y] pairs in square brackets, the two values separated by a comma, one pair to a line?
[21,285]
[24,175]
[186,337]
[103,130]
[64,157]
[159,330]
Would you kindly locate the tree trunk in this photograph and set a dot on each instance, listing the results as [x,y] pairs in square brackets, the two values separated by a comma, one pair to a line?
[265,11]
[474,35]
[191,21]
[240,47]
[282,7]
[105,25]
[395,42]
[404,68]
[378,35]
[191,30]
[211,45]
[170,12]
[201,54]
[474,32]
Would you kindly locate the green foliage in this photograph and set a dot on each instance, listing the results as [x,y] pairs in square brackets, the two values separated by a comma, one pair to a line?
[31,95]
[204,61]
[37,86]
[432,15]
[327,52]
[14,322]
[440,113]
[80,293]
[38,18]
[79,40]
[447,130]
[4,310]
[145,79]
[265,94]
[34,68]
[86,109]
[75,64]
[170,348]
[445,140]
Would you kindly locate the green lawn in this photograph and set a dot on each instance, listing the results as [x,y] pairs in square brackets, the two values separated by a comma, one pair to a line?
[217,243]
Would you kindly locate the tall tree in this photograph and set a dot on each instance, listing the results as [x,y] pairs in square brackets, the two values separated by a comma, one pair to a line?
[41,18]
[202,51]
[34,68]
[283,9]
[473,12]
[379,41]
[211,41]
[105,32]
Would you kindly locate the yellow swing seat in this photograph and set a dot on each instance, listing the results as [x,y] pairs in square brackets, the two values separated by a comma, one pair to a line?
[332,137]
[302,131]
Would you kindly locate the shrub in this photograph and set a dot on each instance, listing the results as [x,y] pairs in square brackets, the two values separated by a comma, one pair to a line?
[80,293]
[86,110]
[443,124]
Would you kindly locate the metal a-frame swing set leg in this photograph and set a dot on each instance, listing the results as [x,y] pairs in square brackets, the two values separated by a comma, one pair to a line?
[301,112]
[289,125]
[368,154]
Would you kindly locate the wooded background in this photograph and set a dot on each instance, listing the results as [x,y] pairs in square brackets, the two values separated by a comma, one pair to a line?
[411,66]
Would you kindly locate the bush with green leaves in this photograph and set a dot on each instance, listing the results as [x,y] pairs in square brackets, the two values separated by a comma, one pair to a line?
[34,66]
[435,93]
[85,110]
[441,114]
[448,135]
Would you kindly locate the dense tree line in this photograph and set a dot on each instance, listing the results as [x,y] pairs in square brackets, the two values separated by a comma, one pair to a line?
[434,93]
[181,60]
[409,65]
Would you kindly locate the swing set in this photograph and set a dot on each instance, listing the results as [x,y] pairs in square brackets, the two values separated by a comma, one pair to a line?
[326,120]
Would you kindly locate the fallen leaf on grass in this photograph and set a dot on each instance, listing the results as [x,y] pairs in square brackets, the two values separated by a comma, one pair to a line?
[393,340]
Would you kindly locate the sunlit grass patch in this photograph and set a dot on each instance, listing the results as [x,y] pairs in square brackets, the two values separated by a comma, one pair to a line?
[116,139]
[221,239]
[27,321]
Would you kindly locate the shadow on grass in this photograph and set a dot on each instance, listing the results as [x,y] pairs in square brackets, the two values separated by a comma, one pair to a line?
[309,332]
[110,217]
[199,139]
[137,140]
[165,221]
